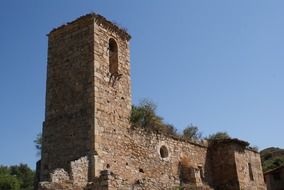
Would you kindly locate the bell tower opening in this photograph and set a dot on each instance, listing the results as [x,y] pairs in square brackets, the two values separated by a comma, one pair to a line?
[113,57]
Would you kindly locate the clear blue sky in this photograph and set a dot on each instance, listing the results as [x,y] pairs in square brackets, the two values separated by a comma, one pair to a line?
[217,64]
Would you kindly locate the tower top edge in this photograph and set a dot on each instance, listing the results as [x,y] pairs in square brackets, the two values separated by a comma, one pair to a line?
[97,18]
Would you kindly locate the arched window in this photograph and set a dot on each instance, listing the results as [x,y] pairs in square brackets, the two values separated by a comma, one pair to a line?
[164,152]
[113,57]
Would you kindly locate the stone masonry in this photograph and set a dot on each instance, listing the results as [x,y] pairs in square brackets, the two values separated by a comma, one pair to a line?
[275,178]
[88,142]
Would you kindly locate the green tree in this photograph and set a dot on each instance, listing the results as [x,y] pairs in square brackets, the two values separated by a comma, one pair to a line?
[170,130]
[8,182]
[38,143]
[273,163]
[17,177]
[192,132]
[219,136]
[4,170]
[272,158]
[144,115]
[24,174]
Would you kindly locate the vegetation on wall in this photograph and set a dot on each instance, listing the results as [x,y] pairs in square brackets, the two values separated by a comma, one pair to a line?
[191,132]
[144,115]
[219,136]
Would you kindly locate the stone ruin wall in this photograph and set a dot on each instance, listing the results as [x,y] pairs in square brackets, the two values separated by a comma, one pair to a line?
[135,156]
[67,130]
[230,167]
[112,97]
[76,179]
[275,178]
[223,167]
[243,158]
[100,147]
[134,162]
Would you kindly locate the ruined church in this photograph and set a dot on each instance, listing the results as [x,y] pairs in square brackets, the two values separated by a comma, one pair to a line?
[88,142]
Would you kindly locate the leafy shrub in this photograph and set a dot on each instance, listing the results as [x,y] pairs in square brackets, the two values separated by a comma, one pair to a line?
[9,182]
[192,133]
[144,116]
[16,177]
[219,136]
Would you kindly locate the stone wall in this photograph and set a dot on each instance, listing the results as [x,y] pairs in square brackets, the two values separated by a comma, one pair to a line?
[79,171]
[136,156]
[67,130]
[77,178]
[223,166]
[249,169]
[234,166]
[275,179]
[112,97]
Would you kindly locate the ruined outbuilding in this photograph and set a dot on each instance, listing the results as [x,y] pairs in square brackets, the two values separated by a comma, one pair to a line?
[274,178]
[88,142]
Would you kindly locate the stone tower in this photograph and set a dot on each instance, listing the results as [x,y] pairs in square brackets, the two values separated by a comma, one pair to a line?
[88,96]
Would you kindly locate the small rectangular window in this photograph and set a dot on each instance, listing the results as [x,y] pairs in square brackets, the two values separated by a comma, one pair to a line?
[250,172]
